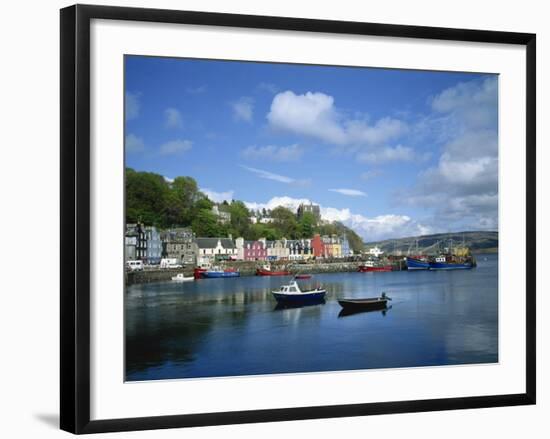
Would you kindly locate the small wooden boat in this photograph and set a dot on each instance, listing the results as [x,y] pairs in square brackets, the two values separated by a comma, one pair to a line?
[367,303]
[181,278]
[302,276]
[291,293]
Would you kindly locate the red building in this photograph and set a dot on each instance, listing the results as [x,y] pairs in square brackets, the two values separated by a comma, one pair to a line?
[254,251]
[317,246]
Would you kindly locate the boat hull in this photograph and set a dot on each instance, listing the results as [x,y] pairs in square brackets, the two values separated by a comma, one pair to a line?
[220,274]
[302,276]
[183,279]
[317,296]
[363,304]
[260,272]
[198,272]
[364,269]
[450,266]
[417,264]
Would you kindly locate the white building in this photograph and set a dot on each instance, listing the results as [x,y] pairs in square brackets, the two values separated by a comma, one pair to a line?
[210,250]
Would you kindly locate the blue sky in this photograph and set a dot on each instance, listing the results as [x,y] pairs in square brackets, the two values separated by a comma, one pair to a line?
[390,153]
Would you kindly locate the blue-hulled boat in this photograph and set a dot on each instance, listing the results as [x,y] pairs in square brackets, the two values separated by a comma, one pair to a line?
[291,293]
[218,272]
[441,263]
[417,264]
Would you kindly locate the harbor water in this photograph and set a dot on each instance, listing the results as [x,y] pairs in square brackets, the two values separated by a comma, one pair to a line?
[230,327]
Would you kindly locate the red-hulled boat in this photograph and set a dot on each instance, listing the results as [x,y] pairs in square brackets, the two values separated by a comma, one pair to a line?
[266,271]
[366,268]
[198,271]
[302,276]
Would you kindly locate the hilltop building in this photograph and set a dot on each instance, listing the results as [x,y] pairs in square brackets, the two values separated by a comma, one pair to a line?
[223,216]
[314,209]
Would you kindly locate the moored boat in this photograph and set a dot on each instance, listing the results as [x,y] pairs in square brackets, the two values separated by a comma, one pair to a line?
[217,272]
[451,263]
[198,272]
[181,278]
[417,263]
[302,276]
[267,271]
[366,303]
[291,293]
[368,268]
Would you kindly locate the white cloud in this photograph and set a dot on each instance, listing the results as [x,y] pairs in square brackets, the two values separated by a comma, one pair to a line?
[350,192]
[175,147]
[462,189]
[273,153]
[315,115]
[370,229]
[173,118]
[387,154]
[275,177]
[168,179]
[243,109]
[218,197]
[132,105]
[134,143]
[284,201]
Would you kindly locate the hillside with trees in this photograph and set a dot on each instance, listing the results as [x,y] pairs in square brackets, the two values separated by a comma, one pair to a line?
[154,201]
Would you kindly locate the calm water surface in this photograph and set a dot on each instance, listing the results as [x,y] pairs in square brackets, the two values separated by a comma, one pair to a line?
[224,327]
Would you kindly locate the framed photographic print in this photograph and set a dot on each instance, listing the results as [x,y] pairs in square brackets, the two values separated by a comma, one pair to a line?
[305,218]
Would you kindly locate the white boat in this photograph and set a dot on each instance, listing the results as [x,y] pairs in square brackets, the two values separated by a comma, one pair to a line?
[181,278]
[292,293]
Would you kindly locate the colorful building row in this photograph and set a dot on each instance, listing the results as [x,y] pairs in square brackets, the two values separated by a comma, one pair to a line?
[180,244]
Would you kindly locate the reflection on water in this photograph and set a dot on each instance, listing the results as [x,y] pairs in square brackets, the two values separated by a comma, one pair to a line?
[351,312]
[224,327]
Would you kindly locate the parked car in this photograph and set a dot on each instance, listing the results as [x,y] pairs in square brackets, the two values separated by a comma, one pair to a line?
[134,265]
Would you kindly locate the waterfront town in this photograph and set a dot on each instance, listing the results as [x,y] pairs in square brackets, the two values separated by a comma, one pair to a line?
[179,247]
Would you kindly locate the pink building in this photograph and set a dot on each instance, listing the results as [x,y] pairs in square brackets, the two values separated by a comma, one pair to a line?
[254,251]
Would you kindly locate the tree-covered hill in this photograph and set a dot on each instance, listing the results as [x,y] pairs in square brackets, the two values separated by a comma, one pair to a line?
[179,203]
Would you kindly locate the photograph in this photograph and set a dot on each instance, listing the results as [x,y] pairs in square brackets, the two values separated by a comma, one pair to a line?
[296,218]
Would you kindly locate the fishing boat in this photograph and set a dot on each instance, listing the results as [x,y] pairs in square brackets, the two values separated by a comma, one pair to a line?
[417,263]
[198,272]
[216,272]
[266,271]
[302,276]
[365,304]
[370,265]
[291,293]
[181,278]
[444,263]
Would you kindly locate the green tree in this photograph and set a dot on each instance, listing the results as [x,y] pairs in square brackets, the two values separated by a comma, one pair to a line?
[205,224]
[307,225]
[146,194]
[240,218]
[259,230]
[285,222]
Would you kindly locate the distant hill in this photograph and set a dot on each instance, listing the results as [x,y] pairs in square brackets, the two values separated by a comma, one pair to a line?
[478,242]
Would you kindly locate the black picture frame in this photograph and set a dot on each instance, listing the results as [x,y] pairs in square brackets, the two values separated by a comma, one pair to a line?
[75,217]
